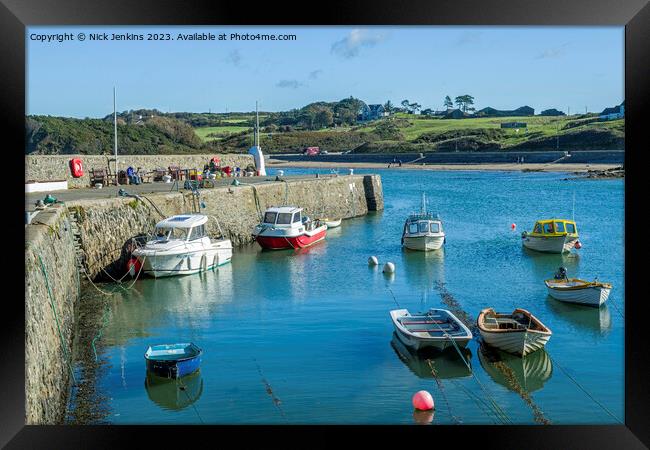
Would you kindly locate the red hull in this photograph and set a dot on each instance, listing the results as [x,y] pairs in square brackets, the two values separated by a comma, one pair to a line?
[280,243]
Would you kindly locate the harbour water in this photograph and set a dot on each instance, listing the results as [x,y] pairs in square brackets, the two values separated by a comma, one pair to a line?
[304,337]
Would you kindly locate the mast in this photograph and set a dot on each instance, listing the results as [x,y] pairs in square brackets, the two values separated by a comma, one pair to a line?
[117,182]
[257,126]
[424,203]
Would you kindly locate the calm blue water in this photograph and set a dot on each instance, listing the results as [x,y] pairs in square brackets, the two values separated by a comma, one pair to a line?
[305,337]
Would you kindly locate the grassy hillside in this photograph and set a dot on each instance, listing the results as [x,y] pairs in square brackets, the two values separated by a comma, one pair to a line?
[153,132]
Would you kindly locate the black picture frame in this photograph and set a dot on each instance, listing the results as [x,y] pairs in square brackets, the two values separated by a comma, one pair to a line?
[15,15]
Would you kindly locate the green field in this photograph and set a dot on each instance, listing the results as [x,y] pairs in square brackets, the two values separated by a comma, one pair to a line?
[203,132]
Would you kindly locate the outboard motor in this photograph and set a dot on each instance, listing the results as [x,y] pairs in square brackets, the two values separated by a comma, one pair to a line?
[561,274]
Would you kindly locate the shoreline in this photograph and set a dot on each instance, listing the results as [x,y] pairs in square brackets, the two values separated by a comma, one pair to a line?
[506,167]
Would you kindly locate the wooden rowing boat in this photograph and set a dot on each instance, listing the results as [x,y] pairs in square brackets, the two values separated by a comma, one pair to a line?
[519,332]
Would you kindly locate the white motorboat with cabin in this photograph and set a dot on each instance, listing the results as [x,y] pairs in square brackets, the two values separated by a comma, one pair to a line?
[423,231]
[285,227]
[575,290]
[181,246]
[437,328]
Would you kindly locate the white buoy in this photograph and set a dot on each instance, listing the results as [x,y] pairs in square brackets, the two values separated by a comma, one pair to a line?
[389,267]
[373,261]
[351,171]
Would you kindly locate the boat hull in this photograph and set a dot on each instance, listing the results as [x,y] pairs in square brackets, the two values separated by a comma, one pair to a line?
[592,296]
[174,369]
[424,243]
[160,265]
[290,242]
[518,342]
[333,223]
[440,344]
[550,244]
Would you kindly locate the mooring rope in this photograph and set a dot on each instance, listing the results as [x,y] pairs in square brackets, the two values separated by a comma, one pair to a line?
[441,389]
[584,390]
[269,390]
[183,388]
[56,318]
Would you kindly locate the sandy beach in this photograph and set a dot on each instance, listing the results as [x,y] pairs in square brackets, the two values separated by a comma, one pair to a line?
[492,166]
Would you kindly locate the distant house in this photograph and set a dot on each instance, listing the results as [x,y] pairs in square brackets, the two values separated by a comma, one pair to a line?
[492,112]
[514,125]
[455,114]
[552,112]
[373,112]
[616,112]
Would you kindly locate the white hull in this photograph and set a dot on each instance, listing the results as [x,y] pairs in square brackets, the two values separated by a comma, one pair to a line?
[423,340]
[424,243]
[517,342]
[184,261]
[333,223]
[593,296]
[555,244]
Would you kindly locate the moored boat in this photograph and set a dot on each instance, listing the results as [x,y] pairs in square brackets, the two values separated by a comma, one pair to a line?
[181,246]
[519,332]
[575,290]
[552,236]
[173,360]
[437,328]
[423,231]
[285,227]
[331,223]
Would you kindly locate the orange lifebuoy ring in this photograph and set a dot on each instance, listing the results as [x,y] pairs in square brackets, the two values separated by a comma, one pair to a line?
[76,167]
[133,266]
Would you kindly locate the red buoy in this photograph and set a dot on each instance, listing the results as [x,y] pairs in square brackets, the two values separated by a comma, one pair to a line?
[513,226]
[76,168]
[578,245]
[133,266]
[423,401]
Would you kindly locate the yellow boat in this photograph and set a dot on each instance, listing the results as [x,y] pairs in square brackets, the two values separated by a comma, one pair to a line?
[552,236]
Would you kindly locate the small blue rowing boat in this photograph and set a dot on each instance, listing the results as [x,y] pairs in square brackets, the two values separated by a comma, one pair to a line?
[173,360]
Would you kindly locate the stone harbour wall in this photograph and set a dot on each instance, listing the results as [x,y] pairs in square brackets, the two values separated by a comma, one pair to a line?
[49,320]
[57,167]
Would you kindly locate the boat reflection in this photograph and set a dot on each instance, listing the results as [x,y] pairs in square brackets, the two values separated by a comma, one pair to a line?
[529,372]
[151,302]
[174,394]
[447,364]
[597,320]
[546,264]
[424,268]
[423,417]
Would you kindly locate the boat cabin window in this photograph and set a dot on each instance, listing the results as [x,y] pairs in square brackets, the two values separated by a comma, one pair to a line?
[538,228]
[548,228]
[424,227]
[570,228]
[435,227]
[165,234]
[269,217]
[559,227]
[284,218]
[413,228]
[296,217]
[197,233]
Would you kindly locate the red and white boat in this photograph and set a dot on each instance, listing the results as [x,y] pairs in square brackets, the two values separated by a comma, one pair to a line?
[285,227]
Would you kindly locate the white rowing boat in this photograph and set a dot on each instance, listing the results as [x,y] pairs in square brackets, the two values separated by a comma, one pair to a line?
[518,332]
[437,328]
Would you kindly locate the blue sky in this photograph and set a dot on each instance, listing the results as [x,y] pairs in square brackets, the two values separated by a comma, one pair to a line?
[502,67]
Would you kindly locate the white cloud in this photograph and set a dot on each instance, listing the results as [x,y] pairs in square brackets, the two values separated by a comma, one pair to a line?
[289,84]
[349,46]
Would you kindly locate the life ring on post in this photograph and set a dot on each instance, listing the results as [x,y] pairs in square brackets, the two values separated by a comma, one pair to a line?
[76,168]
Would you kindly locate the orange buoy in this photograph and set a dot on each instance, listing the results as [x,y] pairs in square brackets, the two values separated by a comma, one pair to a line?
[513,226]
